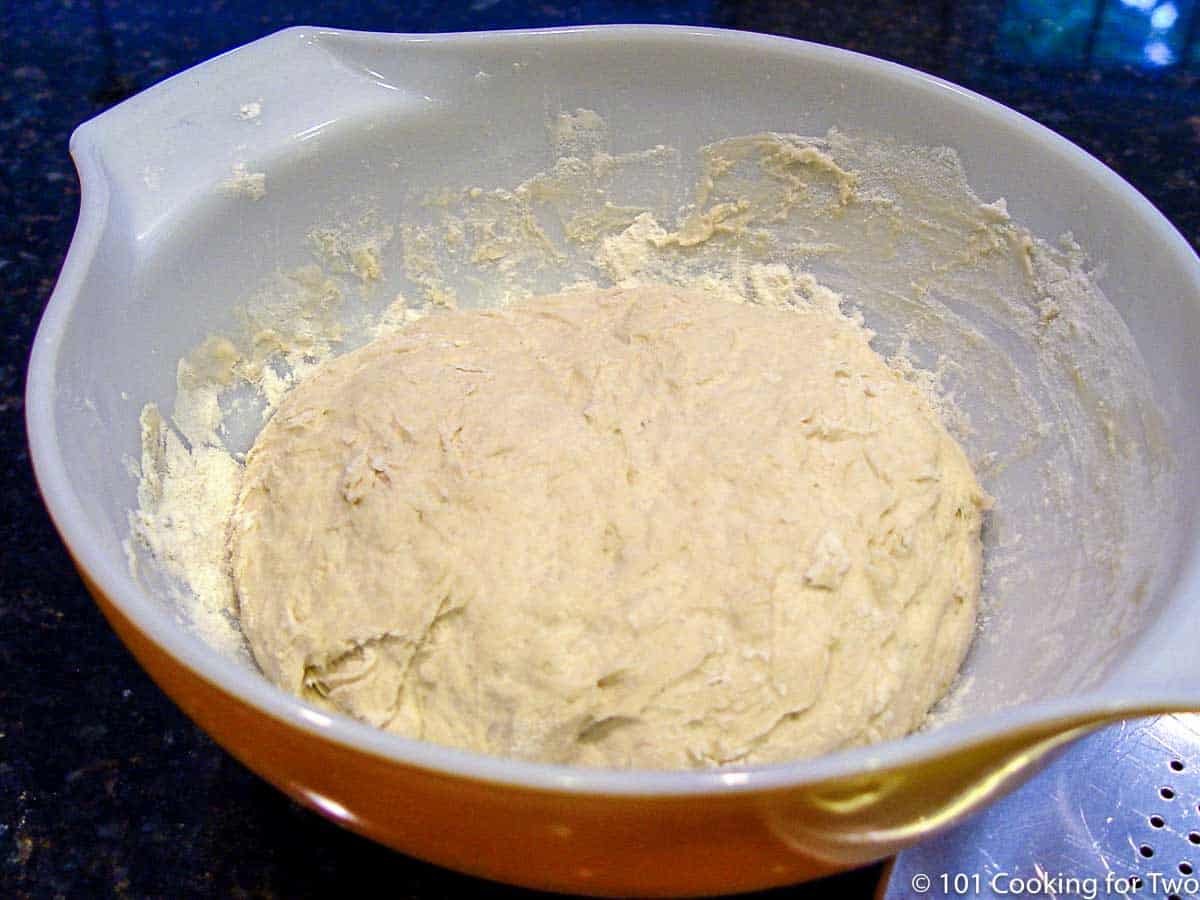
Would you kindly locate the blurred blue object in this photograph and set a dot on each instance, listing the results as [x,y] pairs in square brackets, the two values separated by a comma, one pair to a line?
[1148,34]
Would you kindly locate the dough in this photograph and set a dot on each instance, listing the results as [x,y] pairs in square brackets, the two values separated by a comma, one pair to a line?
[633,527]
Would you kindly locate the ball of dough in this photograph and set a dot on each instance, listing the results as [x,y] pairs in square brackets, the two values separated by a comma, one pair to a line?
[619,528]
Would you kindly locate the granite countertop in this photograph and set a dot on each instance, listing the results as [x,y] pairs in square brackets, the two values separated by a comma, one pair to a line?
[105,787]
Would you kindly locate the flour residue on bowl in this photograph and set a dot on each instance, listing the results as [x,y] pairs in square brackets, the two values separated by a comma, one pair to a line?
[1030,366]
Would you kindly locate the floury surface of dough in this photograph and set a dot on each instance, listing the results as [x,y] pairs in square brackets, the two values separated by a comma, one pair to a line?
[634,527]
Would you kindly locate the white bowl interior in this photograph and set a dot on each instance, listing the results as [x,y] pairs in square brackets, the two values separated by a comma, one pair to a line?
[351,120]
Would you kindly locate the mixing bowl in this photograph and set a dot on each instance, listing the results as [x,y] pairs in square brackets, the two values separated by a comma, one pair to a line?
[163,252]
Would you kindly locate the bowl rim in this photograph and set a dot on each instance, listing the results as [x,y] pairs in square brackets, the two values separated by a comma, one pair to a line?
[154,621]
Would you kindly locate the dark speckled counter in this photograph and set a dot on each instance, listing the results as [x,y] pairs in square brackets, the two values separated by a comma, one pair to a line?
[106,788]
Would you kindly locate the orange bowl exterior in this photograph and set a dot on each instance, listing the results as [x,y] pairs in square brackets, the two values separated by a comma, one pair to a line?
[608,844]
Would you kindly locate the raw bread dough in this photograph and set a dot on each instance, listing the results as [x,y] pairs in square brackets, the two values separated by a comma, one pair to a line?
[620,528]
